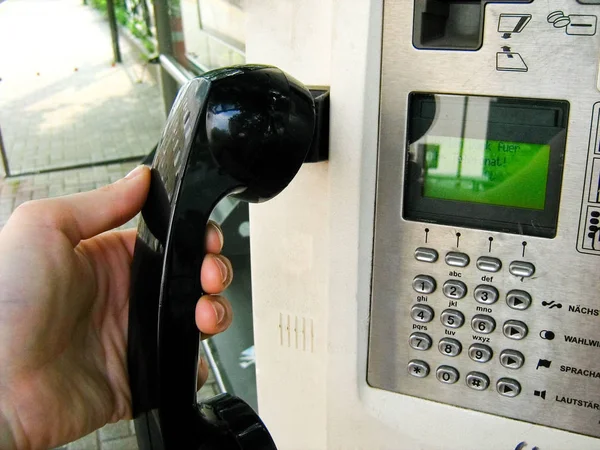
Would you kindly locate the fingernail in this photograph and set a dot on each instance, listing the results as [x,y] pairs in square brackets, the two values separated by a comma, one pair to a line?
[219,311]
[222,268]
[135,172]
[217,228]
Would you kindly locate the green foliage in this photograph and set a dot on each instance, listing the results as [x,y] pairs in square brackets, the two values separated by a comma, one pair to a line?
[136,26]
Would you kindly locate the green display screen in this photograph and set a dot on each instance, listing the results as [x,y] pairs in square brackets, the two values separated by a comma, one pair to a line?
[491,172]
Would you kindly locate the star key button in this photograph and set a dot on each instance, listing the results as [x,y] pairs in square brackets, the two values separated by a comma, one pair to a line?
[418,368]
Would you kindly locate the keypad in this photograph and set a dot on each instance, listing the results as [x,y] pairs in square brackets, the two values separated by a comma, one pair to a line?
[519,300]
[424,284]
[477,380]
[480,353]
[454,289]
[422,313]
[486,294]
[483,324]
[452,318]
[447,374]
[425,254]
[450,347]
[512,359]
[420,341]
[456,259]
[418,368]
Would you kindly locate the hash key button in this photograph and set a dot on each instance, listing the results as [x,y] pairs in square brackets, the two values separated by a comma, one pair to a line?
[478,381]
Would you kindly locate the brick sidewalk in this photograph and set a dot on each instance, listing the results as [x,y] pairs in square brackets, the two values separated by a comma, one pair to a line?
[62,100]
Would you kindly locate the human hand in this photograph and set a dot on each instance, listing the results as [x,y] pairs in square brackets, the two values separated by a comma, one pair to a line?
[64,297]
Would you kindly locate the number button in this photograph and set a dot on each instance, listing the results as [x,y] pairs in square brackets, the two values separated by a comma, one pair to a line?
[424,284]
[454,289]
[420,341]
[483,324]
[515,329]
[519,300]
[480,353]
[452,318]
[512,359]
[421,313]
[486,294]
[418,368]
[447,374]
[478,381]
[449,347]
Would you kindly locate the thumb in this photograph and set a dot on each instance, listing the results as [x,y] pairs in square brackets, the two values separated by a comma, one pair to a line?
[86,214]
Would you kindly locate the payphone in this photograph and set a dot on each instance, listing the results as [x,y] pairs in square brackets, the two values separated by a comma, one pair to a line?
[434,285]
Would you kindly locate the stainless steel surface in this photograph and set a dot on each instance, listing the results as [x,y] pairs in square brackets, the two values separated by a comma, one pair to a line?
[176,70]
[560,331]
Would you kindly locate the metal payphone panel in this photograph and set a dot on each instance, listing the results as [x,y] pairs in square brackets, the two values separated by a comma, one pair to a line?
[485,288]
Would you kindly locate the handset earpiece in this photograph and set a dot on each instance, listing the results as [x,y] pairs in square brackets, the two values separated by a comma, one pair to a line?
[243,131]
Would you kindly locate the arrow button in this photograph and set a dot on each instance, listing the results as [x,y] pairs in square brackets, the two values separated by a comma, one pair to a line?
[512,359]
[508,387]
[515,329]
[519,300]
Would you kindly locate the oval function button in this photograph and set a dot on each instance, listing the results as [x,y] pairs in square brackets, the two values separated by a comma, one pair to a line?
[447,374]
[486,294]
[449,347]
[454,289]
[426,254]
[508,387]
[480,353]
[452,318]
[424,284]
[512,359]
[515,329]
[457,259]
[418,368]
[478,381]
[420,341]
[521,269]
[483,324]
[519,300]
[489,264]
[421,313]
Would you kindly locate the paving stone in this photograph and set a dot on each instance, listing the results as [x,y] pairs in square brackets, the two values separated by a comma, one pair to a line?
[89,442]
[115,430]
[129,443]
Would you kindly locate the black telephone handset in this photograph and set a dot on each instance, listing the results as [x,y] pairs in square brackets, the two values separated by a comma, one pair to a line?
[241,131]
